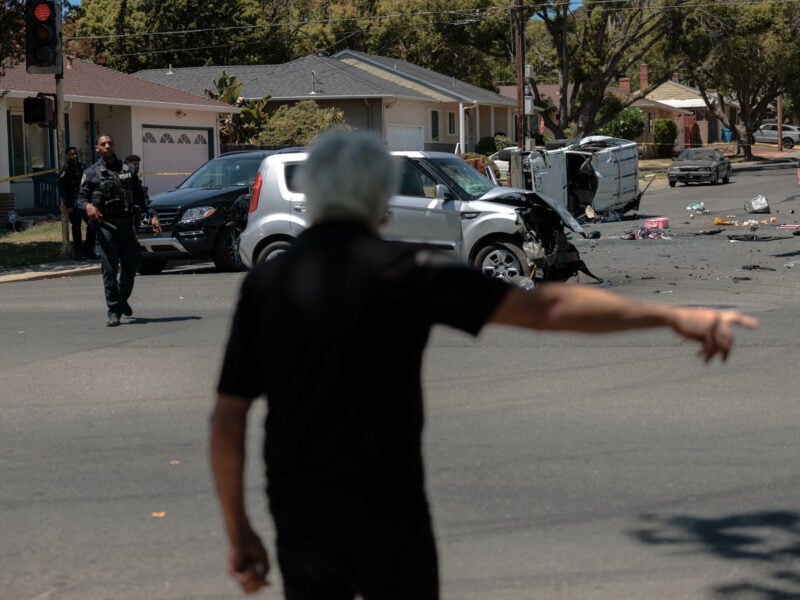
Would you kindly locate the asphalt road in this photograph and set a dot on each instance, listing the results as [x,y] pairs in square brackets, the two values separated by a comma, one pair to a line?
[559,466]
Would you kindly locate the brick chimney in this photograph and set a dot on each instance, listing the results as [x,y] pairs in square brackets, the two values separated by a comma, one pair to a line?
[644,79]
[625,84]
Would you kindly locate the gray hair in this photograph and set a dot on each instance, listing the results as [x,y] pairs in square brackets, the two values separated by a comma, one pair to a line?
[349,176]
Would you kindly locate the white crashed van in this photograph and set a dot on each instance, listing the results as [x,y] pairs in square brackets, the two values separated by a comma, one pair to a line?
[597,171]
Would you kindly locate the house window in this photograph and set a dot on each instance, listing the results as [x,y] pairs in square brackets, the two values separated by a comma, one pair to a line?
[436,132]
[30,146]
[451,123]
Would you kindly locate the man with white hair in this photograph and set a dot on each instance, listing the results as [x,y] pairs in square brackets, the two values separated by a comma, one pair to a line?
[332,333]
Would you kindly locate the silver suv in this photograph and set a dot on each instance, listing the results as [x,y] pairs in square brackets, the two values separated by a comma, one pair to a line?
[442,203]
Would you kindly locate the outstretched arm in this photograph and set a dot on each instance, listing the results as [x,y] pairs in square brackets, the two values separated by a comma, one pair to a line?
[248,563]
[583,309]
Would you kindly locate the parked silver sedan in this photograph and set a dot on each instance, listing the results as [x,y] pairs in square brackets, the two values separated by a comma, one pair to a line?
[768,134]
[699,165]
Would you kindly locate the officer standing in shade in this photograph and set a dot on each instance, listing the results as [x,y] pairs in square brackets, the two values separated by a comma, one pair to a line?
[69,183]
[135,161]
[111,196]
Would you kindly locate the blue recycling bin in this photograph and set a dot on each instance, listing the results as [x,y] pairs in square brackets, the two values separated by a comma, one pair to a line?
[727,135]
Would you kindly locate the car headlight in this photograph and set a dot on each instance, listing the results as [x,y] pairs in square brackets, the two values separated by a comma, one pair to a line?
[195,214]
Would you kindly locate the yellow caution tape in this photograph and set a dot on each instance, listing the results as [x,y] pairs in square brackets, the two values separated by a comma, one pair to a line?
[27,175]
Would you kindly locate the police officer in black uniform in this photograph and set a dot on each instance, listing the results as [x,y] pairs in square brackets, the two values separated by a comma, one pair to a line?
[69,183]
[111,196]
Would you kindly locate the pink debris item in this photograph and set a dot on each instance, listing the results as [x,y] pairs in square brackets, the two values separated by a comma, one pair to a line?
[657,223]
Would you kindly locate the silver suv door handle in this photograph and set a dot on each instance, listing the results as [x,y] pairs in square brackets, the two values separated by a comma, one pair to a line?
[301,208]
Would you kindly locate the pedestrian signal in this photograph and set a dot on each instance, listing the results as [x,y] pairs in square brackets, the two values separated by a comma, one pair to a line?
[38,109]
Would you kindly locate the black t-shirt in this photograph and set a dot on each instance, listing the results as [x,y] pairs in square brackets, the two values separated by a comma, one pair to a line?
[332,332]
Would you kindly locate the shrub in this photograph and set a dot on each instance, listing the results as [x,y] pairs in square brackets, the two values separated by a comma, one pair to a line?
[298,124]
[485,146]
[501,141]
[628,124]
[665,131]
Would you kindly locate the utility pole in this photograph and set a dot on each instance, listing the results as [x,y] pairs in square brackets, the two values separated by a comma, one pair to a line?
[518,18]
[780,122]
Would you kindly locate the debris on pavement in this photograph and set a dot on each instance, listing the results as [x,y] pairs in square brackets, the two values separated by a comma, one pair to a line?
[759,204]
[751,237]
[645,233]
[756,268]
[709,232]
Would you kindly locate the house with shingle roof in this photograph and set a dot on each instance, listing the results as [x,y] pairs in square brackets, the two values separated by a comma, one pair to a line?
[411,107]
[173,131]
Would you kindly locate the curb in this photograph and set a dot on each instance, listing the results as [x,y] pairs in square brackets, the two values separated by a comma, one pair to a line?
[49,271]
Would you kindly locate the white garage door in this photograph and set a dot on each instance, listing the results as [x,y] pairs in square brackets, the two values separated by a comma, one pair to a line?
[399,137]
[170,154]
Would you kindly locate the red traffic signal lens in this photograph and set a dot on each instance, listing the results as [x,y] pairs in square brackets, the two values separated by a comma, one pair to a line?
[42,11]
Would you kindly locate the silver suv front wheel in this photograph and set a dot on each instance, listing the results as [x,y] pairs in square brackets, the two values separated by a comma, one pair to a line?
[504,260]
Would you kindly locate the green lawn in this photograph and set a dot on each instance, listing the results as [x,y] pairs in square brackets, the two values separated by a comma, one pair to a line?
[39,243]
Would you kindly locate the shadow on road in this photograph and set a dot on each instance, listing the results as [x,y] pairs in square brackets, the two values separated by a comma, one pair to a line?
[769,541]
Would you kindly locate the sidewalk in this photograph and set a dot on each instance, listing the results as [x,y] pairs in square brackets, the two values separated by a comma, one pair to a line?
[765,157]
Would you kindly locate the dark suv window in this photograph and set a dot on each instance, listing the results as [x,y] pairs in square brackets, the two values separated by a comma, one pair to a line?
[236,169]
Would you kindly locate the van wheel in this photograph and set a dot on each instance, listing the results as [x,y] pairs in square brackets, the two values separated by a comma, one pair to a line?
[503,260]
[152,266]
[272,250]
[226,249]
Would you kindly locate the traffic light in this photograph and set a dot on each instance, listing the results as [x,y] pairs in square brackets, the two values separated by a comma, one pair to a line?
[38,109]
[43,37]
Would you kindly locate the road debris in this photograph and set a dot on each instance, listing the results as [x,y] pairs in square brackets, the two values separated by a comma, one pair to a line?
[645,233]
[759,204]
[756,268]
[751,237]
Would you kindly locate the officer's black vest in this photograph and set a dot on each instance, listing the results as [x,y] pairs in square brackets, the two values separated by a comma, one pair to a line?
[114,193]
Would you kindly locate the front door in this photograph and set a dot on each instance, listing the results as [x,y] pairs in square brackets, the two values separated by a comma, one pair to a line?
[416,215]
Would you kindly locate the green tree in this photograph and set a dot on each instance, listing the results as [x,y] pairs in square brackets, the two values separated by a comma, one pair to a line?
[298,124]
[12,42]
[586,49]
[665,132]
[627,124]
[743,54]
[243,127]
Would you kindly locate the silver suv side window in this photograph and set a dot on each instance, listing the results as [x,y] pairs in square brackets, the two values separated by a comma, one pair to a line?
[415,182]
[290,172]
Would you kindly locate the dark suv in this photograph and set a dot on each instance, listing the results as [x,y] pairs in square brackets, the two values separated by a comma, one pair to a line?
[202,217]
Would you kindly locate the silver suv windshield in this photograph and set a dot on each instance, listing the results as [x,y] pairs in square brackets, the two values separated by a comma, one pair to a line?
[234,170]
[467,178]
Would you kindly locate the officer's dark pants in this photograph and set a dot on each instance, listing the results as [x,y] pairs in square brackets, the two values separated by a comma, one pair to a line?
[80,248]
[119,253]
